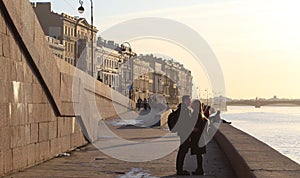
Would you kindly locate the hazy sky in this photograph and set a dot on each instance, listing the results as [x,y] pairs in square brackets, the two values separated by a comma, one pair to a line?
[257,42]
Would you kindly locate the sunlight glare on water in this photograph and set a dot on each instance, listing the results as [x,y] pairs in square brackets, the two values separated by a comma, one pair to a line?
[279,127]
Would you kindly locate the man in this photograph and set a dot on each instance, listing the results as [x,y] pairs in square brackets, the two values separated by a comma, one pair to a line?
[139,103]
[184,128]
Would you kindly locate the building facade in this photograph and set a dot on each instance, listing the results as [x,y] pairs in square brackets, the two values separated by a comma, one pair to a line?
[57,48]
[154,75]
[72,32]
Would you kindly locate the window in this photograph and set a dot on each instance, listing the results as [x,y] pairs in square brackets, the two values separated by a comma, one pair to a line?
[66,46]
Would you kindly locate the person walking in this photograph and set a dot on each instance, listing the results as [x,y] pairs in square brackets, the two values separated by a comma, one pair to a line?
[197,138]
[139,103]
[145,103]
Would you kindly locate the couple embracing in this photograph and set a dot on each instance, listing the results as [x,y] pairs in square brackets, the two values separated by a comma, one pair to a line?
[189,127]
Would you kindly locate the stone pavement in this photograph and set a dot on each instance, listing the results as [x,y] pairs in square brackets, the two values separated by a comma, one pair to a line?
[88,161]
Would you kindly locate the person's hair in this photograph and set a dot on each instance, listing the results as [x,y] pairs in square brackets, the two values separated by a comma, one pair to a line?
[185,97]
[198,106]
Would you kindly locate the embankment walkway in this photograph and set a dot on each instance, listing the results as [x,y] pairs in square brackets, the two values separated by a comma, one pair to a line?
[90,162]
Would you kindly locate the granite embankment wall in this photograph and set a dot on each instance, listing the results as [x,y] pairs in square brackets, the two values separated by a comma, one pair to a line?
[252,158]
[38,94]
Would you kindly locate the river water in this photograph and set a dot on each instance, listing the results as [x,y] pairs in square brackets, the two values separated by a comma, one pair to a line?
[279,127]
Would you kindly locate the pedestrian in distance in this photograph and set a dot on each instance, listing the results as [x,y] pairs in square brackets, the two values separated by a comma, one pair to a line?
[145,103]
[139,103]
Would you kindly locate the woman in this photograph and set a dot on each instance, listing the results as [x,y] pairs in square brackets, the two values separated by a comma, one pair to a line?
[197,134]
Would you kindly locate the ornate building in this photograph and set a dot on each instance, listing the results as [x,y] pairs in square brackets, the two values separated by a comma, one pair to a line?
[72,32]
[57,48]
[153,75]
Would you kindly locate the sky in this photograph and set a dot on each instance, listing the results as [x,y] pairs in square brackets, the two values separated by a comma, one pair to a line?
[256,42]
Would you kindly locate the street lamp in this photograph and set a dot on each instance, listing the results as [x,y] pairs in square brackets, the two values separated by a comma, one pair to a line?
[127,50]
[81,10]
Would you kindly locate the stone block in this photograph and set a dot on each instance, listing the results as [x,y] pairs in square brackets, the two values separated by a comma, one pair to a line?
[55,76]
[14,50]
[76,140]
[55,146]
[34,133]
[40,112]
[8,160]
[14,11]
[20,70]
[60,127]
[5,45]
[37,153]
[4,115]
[30,113]
[35,79]
[27,18]
[11,70]
[19,158]
[43,131]
[17,135]
[52,130]
[18,114]
[5,138]
[44,150]
[16,92]
[64,126]
[4,92]
[65,143]
[27,73]
[66,87]
[38,94]
[1,45]
[2,25]
[67,108]
[3,66]
[27,92]
[31,154]
[1,163]
[27,134]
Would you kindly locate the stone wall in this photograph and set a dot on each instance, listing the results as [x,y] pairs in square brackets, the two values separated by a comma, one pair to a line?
[252,158]
[42,98]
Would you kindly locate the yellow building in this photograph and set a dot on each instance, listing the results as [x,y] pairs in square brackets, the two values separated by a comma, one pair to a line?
[72,32]
[57,48]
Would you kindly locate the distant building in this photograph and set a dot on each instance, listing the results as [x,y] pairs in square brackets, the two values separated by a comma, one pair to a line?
[72,32]
[57,48]
[153,75]
[112,65]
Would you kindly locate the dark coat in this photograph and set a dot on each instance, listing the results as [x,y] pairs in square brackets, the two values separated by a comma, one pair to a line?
[184,125]
[196,135]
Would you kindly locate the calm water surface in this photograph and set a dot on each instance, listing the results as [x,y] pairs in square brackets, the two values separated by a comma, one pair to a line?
[279,127]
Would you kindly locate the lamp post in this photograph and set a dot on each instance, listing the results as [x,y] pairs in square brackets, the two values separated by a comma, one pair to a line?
[81,10]
[127,50]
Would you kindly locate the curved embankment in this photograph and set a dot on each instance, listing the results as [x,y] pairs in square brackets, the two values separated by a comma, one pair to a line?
[250,157]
